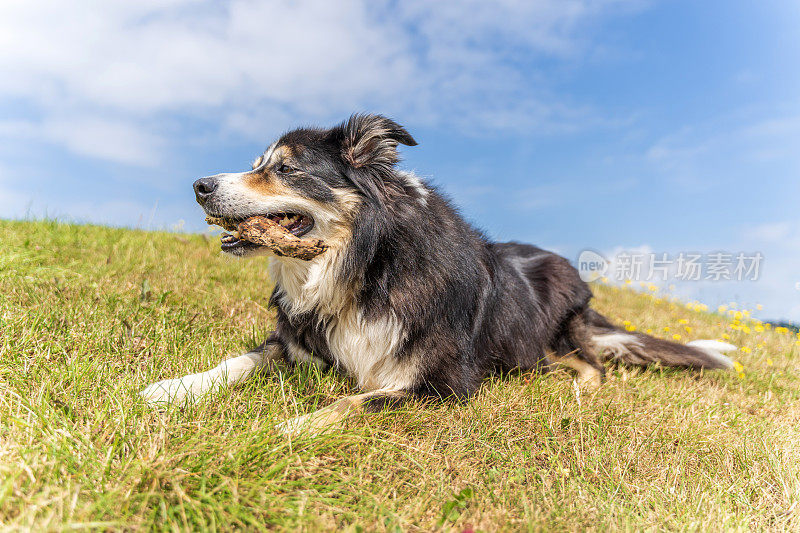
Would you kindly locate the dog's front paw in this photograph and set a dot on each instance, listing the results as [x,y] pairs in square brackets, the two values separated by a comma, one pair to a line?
[187,388]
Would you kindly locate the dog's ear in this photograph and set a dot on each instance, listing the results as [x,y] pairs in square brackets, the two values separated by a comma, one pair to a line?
[372,140]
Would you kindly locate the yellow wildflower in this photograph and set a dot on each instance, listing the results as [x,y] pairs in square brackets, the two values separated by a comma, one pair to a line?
[739,367]
[676,337]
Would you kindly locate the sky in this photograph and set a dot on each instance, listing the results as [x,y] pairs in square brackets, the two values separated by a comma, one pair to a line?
[619,126]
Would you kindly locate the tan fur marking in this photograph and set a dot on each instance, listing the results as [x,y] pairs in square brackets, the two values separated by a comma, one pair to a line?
[588,376]
[330,417]
[264,182]
[282,152]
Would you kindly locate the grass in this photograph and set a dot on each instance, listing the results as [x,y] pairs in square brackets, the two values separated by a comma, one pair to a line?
[90,315]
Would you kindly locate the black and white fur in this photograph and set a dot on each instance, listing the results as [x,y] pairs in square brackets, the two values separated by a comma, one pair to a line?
[409,299]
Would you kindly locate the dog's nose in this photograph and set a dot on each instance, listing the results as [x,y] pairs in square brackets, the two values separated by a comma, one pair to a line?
[204,187]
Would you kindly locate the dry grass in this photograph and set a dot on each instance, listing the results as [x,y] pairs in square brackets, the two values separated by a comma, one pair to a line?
[90,315]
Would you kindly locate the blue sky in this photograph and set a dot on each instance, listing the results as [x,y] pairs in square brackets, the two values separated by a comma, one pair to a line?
[641,125]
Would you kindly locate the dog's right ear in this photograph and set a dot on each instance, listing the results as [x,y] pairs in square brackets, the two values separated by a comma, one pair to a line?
[371,140]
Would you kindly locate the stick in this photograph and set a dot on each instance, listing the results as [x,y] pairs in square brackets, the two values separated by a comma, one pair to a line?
[263,231]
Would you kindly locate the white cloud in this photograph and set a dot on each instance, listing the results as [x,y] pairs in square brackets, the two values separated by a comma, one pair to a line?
[629,263]
[774,232]
[98,137]
[122,65]
[104,139]
[754,136]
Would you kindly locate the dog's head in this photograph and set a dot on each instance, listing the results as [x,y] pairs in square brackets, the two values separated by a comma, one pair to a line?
[314,182]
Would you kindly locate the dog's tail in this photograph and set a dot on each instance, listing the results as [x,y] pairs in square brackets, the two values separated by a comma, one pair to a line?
[633,348]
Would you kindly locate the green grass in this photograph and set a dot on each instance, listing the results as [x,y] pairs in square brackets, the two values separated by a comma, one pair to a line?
[90,315]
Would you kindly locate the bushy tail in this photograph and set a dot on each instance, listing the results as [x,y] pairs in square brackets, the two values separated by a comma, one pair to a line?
[613,343]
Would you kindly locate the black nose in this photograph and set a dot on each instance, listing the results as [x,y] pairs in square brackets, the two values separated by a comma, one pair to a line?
[204,187]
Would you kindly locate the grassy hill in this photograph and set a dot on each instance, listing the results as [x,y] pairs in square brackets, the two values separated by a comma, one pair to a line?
[90,315]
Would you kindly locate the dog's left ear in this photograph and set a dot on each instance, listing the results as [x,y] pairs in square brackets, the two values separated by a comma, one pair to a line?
[372,140]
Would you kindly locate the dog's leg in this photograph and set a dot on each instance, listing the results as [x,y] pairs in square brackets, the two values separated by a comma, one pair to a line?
[589,377]
[229,372]
[576,352]
[331,416]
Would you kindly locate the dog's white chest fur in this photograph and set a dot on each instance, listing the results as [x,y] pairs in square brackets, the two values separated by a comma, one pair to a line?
[364,348]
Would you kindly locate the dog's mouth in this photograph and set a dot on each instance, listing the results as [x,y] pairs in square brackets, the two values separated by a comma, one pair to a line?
[297,224]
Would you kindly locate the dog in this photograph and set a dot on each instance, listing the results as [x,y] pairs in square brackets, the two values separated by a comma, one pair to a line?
[409,300]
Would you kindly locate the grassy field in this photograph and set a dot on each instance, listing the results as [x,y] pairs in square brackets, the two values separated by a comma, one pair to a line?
[90,315]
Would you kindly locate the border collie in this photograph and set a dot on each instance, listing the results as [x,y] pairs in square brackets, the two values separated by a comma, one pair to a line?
[409,299]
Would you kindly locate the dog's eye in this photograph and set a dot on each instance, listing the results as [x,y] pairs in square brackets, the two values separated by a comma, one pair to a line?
[285,169]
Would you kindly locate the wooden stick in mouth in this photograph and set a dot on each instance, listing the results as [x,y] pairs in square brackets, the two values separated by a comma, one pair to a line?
[224,223]
[265,232]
